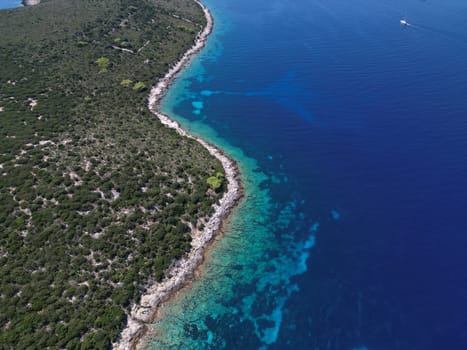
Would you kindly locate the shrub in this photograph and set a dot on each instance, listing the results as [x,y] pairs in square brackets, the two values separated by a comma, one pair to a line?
[139,86]
[214,182]
[126,82]
[103,63]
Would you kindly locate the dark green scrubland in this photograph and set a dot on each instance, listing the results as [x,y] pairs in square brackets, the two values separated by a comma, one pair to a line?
[96,196]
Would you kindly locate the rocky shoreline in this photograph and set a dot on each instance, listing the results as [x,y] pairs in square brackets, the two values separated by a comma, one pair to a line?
[182,270]
[30,2]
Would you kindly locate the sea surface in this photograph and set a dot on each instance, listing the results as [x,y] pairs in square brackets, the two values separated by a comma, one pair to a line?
[8,4]
[351,134]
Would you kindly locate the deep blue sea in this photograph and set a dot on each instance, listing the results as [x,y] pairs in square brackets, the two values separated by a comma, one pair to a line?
[351,135]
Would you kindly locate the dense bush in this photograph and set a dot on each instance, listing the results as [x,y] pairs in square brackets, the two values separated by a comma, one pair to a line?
[96,196]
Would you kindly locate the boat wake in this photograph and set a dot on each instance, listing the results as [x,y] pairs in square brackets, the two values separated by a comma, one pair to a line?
[446,34]
[404,23]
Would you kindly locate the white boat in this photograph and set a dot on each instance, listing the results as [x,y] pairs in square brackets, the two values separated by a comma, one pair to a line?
[404,22]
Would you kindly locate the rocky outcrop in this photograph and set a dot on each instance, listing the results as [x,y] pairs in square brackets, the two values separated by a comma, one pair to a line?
[31,2]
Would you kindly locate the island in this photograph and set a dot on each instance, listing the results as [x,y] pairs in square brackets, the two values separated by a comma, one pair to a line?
[106,204]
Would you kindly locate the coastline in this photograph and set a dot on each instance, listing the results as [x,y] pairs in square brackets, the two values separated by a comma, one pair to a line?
[182,270]
[30,2]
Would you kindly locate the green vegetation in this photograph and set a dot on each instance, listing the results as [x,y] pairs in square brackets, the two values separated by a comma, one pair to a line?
[96,196]
[126,82]
[103,63]
[139,86]
[216,182]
